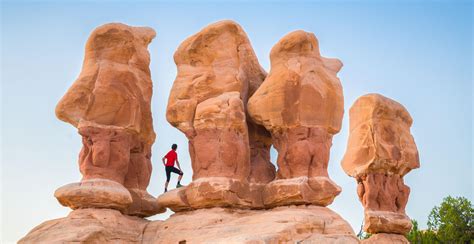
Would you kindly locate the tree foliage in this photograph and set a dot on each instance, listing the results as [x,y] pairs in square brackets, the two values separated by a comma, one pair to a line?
[451,222]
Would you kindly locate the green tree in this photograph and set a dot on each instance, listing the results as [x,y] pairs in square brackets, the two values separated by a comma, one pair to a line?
[452,221]
[421,236]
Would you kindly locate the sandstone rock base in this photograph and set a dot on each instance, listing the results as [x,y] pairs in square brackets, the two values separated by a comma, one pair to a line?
[292,224]
[89,226]
[386,222]
[174,200]
[288,224]
[211,192]
[94,193]
[320,191]
[383,238]
[222,191]
[144,204]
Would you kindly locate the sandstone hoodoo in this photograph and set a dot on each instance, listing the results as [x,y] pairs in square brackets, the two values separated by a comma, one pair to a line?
[301,103]
[110,105]
[217,72]
[380,151]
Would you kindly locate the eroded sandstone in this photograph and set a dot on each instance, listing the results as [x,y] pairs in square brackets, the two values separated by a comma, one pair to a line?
[380,151]
[217,72]
[301,103]
[110,105]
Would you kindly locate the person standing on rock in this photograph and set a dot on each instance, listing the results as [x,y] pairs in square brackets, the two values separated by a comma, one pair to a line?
[172,157]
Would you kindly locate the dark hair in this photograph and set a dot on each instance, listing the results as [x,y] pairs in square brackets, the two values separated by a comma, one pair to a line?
[174,146]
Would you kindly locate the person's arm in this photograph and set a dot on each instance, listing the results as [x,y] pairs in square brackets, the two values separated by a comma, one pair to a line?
[163,159]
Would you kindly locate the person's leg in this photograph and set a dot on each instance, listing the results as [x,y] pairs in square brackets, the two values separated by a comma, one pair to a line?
[177,171]
[168,176]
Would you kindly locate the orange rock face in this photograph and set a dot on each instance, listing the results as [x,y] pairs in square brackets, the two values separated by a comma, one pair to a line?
[380,138]
[110,104]
[380,151]
[301,104]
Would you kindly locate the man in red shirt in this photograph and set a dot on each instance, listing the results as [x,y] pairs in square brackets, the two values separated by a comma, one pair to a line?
[172,157]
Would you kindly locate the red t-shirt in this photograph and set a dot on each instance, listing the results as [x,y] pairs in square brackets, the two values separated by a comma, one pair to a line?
[171,156]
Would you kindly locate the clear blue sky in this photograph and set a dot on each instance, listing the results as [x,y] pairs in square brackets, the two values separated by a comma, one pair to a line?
[419,54]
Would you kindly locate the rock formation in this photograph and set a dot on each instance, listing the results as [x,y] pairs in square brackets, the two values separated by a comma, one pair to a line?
[301,224]
[232,113]
[301,104]
[380,151]
[110,105]
[217,72]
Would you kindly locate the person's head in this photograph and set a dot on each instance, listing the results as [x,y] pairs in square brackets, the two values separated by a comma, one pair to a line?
[174,147]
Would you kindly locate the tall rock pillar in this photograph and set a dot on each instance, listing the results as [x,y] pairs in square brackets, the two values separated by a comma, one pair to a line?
[109,104]
[380,151]
[217,72]
[301,104]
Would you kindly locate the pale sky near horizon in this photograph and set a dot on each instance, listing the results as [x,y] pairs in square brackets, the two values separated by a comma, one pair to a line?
[418,53]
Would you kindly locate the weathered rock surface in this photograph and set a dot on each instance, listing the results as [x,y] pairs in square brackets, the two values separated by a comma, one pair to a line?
[302,88]
[302,224]
[94,193]
[380,151]
[383,238]
[216,60]
[213,192]
[386,222]
[110,104]
[114,88]
[380,140]
[306,224]
[89,226]
[220,146]
[301,103]
[217,72]
[301,190]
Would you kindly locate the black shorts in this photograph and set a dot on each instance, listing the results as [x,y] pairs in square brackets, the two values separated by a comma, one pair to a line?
[170,169]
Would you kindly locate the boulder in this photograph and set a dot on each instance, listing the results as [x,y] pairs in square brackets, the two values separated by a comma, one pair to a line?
[301,190]
[380,140]
[386,222]
[94,193]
